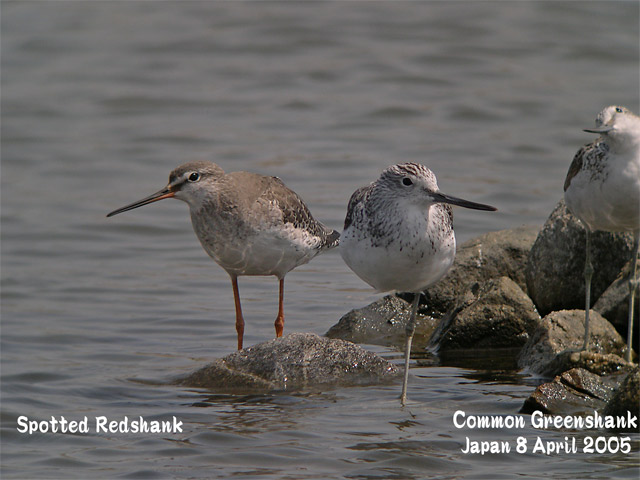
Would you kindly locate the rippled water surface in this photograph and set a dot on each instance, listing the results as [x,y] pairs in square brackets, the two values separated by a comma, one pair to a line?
[100,100]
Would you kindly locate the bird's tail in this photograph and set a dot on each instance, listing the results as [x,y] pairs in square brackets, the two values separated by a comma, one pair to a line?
[332,240]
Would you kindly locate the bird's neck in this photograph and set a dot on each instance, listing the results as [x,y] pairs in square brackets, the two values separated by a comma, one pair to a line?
[394,216]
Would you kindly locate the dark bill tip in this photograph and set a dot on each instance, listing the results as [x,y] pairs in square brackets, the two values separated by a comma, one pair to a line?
[442,198]
[599,130]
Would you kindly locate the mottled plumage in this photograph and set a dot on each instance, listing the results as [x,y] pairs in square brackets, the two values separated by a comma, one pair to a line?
[590,159]
[398,235]
[249,224]
[602,189]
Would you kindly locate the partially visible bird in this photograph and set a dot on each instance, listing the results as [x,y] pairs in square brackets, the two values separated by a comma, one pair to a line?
[249,224]
[602,190]
[398,236]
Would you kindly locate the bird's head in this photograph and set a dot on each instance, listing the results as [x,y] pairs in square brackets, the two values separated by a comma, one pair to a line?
[191,183]
[417,185]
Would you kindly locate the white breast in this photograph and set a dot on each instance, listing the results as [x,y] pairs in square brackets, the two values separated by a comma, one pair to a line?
[418,254]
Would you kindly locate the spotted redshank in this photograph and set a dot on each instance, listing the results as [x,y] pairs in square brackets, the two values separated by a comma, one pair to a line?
[398,236]
[602,189]
[249,224]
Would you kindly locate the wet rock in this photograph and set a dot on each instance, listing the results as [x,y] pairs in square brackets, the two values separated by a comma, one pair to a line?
[299,361]
[383,322]
[613,304]
[574,391]
[552,347]
[615,397]
[627,396]
[497,314]
[492,255]
[555,268]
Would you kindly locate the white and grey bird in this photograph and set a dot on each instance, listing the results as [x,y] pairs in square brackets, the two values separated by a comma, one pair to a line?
[602,189]
[249,224]
[398,236]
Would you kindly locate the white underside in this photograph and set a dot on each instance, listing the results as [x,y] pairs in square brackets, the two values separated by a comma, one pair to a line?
[388,272]
[271,252]
[611,205]
[412,269]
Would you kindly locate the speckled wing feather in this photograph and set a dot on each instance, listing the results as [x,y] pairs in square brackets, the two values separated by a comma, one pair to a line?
[296,212]
[591,155]
[356,204]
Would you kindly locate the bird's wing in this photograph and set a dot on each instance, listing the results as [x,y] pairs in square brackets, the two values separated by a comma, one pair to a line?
[355,204]
[276,194]
[591,152]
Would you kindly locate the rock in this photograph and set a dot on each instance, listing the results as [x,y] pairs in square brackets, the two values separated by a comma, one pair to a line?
[497,314]
[383,322]
[574,391]
[298,361]
[555,268]
[492,255]
[613,304]
[551,348]
[613,399]
[627,396]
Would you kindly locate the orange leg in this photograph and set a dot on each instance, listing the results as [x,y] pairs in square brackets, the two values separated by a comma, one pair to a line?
[239,319]
[279,323]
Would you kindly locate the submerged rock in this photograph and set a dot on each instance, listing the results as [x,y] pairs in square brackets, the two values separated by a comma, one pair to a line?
[492,255]
[574,391]
[553,346]
[298,361]
[578,391]
[497,314]
[383,322]
[627,396]
[555,268]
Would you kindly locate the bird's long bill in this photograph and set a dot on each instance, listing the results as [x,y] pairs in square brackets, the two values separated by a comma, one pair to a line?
[600,130]
[443,198]
[160,195]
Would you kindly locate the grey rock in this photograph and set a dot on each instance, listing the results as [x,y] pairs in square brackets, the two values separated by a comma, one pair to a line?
[613,304]
[627,396]
[492,255]
[555,268]
[497,314]
[298,361]
[574,391]
[383,322]
[552,348]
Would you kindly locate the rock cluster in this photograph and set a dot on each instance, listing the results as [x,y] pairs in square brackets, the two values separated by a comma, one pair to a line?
[554,272]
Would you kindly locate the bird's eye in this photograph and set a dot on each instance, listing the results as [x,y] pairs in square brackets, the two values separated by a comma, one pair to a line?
[618,109]
[407,181]
[194,177]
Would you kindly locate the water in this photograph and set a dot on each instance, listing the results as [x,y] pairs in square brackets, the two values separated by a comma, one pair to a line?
[100,100]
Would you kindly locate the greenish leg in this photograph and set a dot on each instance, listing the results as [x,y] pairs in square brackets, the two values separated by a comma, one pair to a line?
[410,330]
